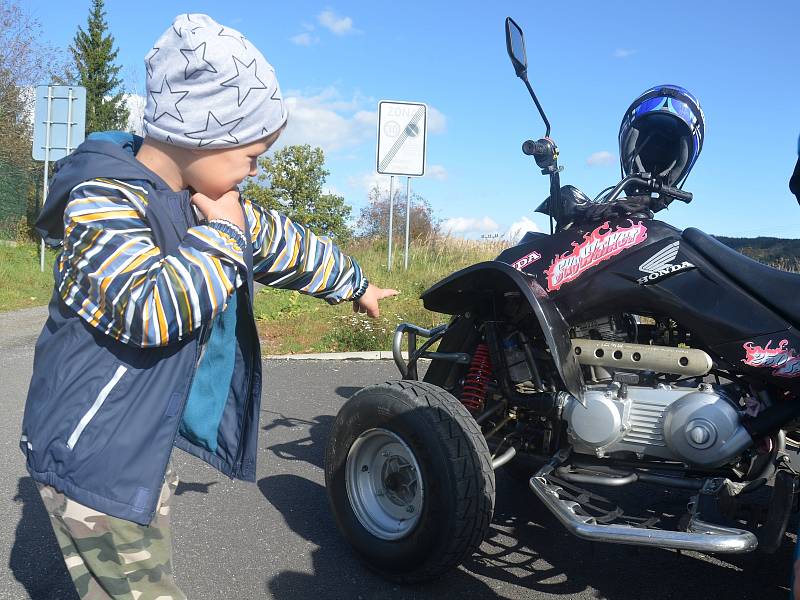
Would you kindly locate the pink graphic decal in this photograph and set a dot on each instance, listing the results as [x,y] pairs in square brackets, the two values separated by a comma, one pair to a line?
[783,361]
[597,246]
[526,260]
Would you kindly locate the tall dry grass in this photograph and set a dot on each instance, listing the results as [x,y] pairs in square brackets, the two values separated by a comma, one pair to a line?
[430,260]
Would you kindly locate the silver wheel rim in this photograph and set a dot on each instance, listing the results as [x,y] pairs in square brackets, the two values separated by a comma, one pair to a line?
[384,484]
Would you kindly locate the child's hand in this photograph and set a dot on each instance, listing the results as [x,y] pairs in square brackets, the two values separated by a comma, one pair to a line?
[226,207]
[368,303]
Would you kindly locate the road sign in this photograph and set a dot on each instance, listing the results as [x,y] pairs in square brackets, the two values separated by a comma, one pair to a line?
[59,124]
[402,131]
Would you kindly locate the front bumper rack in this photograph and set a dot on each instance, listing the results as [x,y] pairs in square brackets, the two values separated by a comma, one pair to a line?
[408,369]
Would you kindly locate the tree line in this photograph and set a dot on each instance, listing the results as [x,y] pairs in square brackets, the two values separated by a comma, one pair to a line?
[290,180]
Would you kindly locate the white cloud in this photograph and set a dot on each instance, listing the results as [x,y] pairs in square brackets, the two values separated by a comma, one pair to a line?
[333,122]
[624,52]
[604,158]
[436,172]
[304,39]
[520,228]
[437,122]
[336,24]
[135,104]
[467,225]
[367,181]
[328,121]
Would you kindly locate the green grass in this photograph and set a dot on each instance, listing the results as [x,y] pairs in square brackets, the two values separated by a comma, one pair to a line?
[289,322]
[22,284]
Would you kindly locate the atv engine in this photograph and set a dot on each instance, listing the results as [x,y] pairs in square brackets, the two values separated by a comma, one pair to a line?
[626,327]
[696,426]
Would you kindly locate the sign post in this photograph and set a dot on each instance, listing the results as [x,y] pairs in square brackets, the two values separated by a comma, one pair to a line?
[59,126]
[402,136]
[391,221]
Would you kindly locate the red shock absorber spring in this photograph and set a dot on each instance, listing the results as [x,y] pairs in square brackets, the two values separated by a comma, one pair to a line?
[473,393]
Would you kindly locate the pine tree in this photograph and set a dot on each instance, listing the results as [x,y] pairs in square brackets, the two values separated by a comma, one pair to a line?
[94,56]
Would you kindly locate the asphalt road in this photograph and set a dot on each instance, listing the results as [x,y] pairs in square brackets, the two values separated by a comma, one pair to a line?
[276,539]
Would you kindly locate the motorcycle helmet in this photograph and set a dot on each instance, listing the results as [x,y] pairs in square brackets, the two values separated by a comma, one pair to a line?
[662,134]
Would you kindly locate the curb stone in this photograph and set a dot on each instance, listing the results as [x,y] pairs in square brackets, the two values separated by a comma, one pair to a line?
[369,355]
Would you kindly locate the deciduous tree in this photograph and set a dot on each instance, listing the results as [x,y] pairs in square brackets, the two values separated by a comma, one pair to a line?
[373,219]
[291,181]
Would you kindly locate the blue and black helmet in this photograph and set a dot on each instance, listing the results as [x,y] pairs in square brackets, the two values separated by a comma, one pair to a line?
[662,134]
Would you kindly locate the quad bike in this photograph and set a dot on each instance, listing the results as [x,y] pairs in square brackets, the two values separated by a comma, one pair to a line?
[616,351]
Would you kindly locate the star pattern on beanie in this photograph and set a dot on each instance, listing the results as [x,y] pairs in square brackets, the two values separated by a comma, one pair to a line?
[234,35]
[216,131]
[179,30]
[192,70]
[246,79]
[279,100]
[167,102]
[148,61]
[196,64]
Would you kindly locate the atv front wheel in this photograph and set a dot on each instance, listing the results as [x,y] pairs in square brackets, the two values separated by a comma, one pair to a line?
[409,479]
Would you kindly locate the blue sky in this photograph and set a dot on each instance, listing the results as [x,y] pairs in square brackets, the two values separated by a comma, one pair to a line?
[337,60]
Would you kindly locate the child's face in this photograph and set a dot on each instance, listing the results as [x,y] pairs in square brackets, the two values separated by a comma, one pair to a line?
[214,172]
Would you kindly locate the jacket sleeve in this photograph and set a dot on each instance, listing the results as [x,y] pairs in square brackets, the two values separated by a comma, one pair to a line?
[288,255]
[114,276]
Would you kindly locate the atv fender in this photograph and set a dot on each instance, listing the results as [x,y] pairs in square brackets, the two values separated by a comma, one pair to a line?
[481,284]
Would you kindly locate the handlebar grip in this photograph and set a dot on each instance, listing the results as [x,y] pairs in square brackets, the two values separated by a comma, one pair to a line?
[678,194]
[532,148]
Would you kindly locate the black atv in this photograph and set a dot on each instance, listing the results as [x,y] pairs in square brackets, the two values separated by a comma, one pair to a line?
[616,351]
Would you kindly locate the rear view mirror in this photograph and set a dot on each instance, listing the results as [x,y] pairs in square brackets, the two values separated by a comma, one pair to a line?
[515,44]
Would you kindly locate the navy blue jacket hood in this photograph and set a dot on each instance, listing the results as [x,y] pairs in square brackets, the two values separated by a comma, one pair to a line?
[107,154]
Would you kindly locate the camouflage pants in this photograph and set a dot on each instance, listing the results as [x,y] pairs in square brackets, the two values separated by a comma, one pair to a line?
[110,558]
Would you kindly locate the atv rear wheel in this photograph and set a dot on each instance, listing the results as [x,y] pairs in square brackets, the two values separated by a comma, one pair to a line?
[409,479]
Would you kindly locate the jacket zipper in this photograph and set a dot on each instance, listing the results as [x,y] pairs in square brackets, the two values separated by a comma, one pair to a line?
[101,398]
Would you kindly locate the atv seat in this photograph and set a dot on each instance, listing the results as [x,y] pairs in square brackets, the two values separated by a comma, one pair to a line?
[777,289]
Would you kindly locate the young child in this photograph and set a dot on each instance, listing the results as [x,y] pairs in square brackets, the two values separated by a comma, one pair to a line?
[151,340]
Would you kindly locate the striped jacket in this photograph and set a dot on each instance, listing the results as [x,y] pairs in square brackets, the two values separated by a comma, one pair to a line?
[114,276]
[138,285]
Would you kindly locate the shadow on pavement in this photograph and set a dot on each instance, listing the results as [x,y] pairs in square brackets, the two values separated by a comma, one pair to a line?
[527,546]
[311,448]
[337,572]
[35,559]
[193,487]
[345,391]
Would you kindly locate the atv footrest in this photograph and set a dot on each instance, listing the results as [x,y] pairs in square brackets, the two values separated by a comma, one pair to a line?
[584,516]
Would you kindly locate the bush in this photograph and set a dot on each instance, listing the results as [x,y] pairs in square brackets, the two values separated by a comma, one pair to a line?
[357,333]
[373,220]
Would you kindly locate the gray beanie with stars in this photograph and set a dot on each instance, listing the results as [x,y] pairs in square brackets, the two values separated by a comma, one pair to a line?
[209,87]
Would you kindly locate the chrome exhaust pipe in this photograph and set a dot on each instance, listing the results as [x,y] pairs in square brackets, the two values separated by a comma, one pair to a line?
[700,536]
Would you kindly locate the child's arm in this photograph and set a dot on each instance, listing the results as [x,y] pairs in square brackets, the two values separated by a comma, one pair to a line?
[288,255]
[114,276]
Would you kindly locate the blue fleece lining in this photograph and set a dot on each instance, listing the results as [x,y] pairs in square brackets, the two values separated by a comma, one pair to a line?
[212,381]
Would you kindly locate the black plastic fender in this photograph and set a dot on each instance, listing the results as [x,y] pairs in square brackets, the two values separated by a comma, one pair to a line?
[469,288]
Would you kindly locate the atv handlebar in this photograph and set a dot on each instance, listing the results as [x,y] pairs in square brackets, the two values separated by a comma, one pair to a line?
[644,180]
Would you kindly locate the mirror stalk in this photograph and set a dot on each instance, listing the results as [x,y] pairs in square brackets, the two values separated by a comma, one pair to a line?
[524,78]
